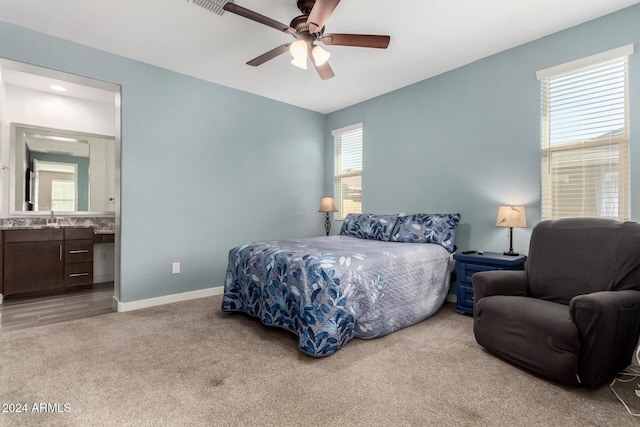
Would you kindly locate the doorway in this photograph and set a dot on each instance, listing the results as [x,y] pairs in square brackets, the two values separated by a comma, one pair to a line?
[45,99]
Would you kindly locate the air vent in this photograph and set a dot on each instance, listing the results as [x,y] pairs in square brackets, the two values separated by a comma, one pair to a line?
[215,6]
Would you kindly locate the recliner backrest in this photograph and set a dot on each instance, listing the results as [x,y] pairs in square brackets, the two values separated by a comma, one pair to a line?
[575,256]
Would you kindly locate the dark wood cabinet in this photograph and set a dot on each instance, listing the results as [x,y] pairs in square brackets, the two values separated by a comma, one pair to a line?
[46,260]
[104,238]
[78,257]
[32,261]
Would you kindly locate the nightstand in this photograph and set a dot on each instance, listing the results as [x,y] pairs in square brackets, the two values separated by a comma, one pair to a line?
[469,264]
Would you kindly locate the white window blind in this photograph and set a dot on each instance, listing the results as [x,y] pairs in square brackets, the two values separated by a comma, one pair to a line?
[348,170]
[585,138]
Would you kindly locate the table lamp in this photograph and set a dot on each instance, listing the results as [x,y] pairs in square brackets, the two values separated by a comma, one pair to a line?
[327,205]
[512,217]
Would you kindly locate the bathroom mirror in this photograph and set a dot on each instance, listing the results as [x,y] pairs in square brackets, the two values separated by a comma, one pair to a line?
[62,171]
[59,142]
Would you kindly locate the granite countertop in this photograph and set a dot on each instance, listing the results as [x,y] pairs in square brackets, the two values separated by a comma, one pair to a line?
[43,227]
[100,225]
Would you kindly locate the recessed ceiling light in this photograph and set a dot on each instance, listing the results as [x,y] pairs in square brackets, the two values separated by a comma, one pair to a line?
[58,88]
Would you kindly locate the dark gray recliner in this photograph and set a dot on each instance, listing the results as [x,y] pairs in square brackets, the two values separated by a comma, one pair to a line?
[573,314]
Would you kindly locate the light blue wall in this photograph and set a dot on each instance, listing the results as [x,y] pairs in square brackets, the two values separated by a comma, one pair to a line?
[204,167]
[468,140]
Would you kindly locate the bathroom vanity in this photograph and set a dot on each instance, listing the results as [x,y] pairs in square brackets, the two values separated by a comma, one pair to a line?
[40,260]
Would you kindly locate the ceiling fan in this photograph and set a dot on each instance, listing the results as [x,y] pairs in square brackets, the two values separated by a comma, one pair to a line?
[307,29]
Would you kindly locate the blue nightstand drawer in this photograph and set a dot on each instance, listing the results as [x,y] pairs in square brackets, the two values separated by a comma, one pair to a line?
[470,264]
[469,270]
[467,295]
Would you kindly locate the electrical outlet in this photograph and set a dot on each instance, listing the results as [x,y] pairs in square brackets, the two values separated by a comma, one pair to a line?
[175,268]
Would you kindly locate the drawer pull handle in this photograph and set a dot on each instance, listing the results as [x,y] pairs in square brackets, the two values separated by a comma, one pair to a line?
[79,251]
[78,274]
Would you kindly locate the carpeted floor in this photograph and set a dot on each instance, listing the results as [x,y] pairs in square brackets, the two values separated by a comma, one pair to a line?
[190,364]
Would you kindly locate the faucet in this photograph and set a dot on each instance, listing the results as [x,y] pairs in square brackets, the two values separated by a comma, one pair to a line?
[53,221]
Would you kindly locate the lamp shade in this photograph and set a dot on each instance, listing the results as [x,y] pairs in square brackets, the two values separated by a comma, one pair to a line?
[327,205]
[300,62]
[320,56]
[298,49]
[511,216]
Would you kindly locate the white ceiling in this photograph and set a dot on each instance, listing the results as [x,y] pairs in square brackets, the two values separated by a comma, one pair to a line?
[427,38]
[41,79]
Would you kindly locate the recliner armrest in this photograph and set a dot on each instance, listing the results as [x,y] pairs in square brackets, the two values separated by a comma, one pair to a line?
[499,282]
[609,327]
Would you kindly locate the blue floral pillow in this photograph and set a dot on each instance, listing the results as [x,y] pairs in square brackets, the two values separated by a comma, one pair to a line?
[369,226]
[427,228]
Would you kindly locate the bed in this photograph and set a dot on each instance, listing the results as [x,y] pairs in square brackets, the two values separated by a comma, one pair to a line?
[381,274]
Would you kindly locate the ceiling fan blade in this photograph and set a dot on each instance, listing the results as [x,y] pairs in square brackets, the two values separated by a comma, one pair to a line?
[358,40]
[269,55]
[320,13]
[324,71]
[255,16]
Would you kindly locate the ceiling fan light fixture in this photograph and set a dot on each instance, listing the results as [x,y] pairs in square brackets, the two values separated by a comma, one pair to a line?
[298,49]
[300,62]
[307,29]
[320,56]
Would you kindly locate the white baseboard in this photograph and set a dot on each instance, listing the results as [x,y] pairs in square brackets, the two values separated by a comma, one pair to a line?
[167,299]
[452,298]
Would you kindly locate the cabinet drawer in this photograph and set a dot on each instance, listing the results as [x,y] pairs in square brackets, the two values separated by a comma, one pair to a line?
[78,274]
[44,235]
[464,298]
[469,270]
[104,238]
[78,251]
[467,294]
[78,233]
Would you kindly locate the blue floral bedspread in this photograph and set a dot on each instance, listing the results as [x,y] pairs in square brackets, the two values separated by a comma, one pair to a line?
[327,290]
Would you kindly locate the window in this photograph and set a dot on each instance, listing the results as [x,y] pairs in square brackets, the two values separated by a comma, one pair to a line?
[63,195]
[55,186]
[348,170]
[585,137]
